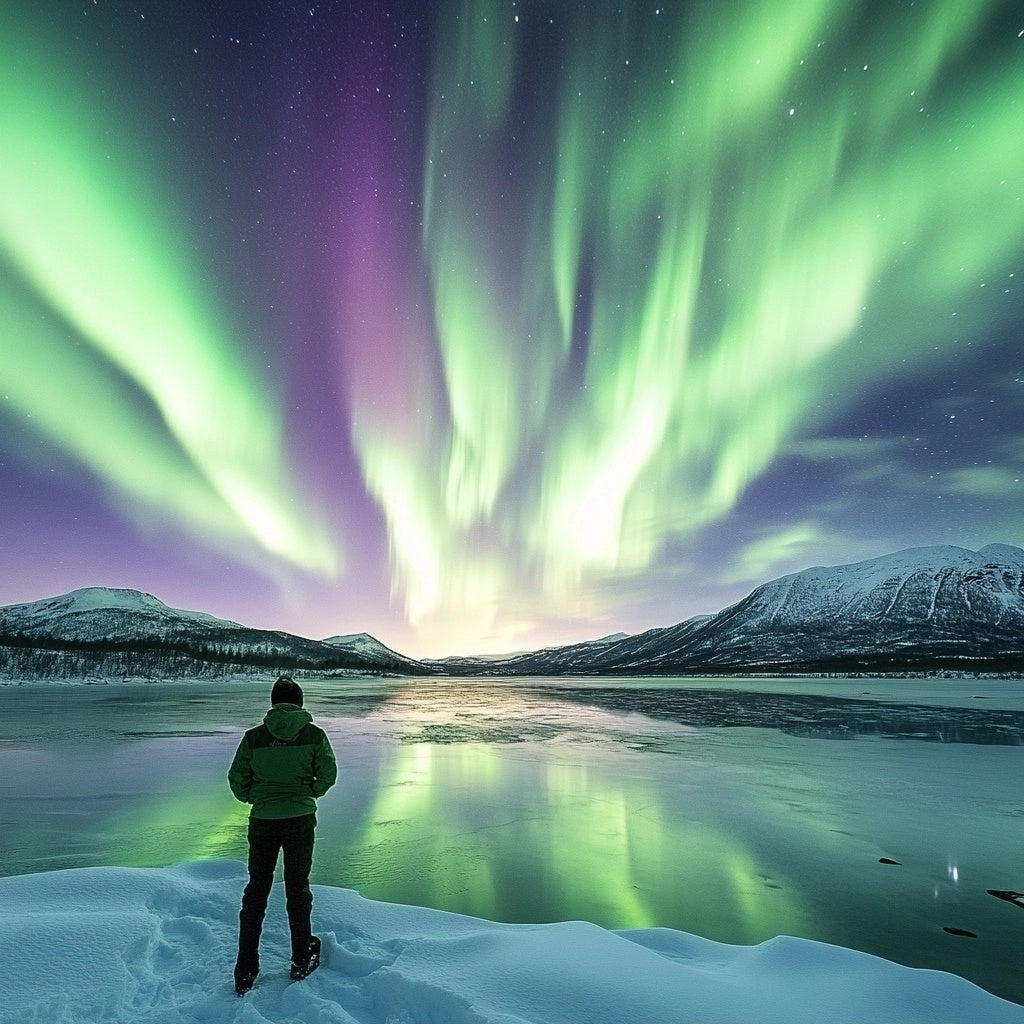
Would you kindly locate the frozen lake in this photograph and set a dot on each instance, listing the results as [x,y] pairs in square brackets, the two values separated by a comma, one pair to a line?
[736,810]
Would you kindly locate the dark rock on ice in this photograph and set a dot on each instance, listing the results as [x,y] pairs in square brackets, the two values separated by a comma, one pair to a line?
[1017,898]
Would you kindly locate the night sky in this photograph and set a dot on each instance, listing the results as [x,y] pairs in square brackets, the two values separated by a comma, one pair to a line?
[488,325]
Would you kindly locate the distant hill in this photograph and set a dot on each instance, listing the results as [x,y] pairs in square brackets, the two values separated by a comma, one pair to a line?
[103,633]
[922,609]
[366,645]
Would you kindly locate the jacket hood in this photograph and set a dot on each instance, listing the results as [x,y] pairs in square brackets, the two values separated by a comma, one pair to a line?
[285,721]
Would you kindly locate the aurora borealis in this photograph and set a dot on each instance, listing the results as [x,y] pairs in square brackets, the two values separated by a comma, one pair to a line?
[481,326]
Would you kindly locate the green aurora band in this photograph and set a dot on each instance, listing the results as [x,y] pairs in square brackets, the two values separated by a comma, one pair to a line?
[661,262]
[666,248]
[152,394]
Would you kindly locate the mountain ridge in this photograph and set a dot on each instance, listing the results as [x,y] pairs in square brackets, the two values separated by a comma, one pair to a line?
[923,609]
[927,608]
[122,633]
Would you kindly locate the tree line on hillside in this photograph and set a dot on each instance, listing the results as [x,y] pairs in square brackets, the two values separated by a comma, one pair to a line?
[53,658]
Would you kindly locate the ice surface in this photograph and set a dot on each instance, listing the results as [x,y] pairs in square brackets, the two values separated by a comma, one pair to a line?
[105,945]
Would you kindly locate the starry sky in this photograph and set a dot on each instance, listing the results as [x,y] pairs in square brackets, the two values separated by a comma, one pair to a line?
[484,325]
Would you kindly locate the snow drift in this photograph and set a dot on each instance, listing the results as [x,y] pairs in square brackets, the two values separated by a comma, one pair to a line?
[111,945]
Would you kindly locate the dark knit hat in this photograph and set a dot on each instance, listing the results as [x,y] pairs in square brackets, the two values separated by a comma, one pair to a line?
[286,691]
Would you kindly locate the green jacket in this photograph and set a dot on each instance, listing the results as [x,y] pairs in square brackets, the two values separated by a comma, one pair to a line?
[283,765]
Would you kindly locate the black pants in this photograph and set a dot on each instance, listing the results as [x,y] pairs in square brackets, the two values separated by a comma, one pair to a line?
[268,836]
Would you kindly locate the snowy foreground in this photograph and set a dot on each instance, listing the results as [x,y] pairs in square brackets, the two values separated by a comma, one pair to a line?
[157,945]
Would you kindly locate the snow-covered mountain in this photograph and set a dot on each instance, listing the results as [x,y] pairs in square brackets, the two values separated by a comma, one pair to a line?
[923,608]
[363,643]
[917,610]
[101,632]
[93,612]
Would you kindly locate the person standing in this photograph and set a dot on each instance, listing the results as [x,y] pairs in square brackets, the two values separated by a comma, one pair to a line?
[280,767]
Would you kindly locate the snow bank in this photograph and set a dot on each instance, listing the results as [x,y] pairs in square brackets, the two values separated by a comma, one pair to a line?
[135,945]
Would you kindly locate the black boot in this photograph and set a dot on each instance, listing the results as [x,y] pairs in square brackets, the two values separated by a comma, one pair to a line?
[304,966]
[245,977]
